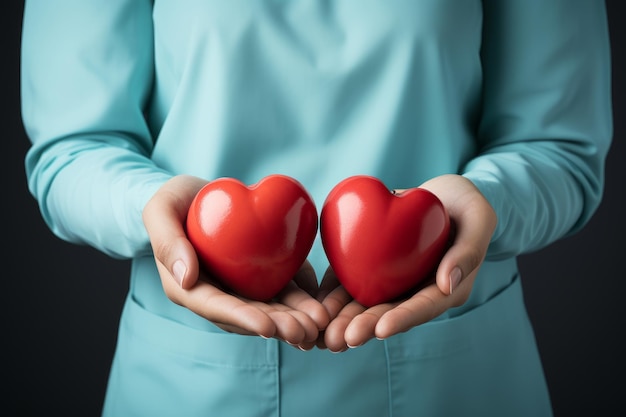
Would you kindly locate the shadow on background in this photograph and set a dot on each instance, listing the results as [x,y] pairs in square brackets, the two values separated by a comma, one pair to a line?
[61,304]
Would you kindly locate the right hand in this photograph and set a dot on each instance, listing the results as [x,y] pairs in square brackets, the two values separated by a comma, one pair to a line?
[474,222]
[295,316]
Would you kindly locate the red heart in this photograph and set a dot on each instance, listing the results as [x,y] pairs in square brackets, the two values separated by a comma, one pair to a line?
[253,238]
[381,244]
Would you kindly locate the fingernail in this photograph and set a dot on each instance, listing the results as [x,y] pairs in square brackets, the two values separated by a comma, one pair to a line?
[179,269]
[455,278]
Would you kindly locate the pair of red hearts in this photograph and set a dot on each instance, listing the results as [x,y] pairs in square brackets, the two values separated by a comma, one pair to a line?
[380,244]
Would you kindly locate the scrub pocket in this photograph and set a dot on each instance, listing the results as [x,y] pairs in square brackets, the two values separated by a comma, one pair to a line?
[482,363]
[163,368]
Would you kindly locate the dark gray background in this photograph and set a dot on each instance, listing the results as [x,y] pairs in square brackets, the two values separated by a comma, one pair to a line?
[61,302]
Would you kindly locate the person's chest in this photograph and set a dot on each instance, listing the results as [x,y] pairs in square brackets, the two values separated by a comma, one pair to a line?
[323,34]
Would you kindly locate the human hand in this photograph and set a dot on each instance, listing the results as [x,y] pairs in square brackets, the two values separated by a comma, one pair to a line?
[294,316]
[473,223]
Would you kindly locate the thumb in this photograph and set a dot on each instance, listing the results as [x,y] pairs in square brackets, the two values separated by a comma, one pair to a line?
[164,217]
[179,259]
[472,228]
[462,260]
[473,222]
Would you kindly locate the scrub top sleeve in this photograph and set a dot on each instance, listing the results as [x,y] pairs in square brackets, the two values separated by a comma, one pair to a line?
[546,122]
[86,74]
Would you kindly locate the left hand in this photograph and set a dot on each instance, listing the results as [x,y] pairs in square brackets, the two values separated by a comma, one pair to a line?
[473,224]
[294,316]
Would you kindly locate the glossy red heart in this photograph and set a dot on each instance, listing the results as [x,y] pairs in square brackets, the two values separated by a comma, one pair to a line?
[381,244]
[253,238]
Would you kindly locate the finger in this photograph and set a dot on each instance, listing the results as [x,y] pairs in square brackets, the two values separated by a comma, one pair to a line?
[302,317]
[293,326]
[473,223]
[422,307]
[288,327]
[217,306]
[297,299]
[473,233]
[362,328]
[236,330]
[178,257]
[306,346]
[336,301]
[333,296]
[334,336]
[301,299]
[320,343]
[309,327]
[329,283]
[164,216]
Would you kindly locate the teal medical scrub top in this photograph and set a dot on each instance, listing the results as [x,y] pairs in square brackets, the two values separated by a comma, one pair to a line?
[119,96]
